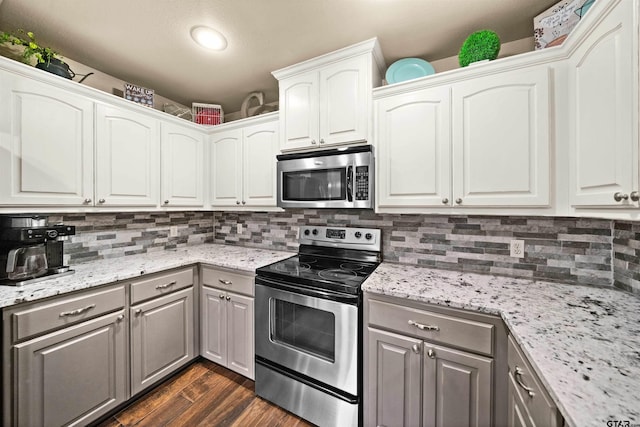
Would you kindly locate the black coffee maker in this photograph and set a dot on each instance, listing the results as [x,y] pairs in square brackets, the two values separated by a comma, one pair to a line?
[31,250]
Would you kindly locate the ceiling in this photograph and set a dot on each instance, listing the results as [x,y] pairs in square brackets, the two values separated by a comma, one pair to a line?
[147,42]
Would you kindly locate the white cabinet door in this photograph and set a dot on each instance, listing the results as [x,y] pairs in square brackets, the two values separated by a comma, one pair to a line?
[603,147]
[46,144]
[299,106]
[413,144]
[501,138]
[345,102]
[182,166]
[161,337]
[226,168]
[72,376]
[260,147]
[127,158]
[240,331]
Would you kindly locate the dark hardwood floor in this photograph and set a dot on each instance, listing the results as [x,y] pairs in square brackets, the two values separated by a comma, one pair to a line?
[204,394]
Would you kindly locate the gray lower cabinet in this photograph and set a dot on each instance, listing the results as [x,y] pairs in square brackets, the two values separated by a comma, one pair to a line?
[429,368]
[162,337]
[65,359]
[529,403]
[227,329]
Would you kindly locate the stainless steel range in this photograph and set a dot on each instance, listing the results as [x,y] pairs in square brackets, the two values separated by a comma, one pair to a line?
[308,314]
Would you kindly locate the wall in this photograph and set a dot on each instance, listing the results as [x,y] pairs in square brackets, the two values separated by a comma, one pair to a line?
[111,235]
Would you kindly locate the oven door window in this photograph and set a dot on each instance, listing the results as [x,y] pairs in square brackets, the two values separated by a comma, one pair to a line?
[304,328]
[315,185]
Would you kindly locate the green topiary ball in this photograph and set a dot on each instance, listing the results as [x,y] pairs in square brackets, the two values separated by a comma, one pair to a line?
[484,44]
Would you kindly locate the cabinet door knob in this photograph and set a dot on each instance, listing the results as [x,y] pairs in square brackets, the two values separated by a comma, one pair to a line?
[101,201]
[244,203]
[321,140]
[618,197]
[120,318]
[313,141]
[415,348]
[228,298]
[221,296]
[138,312]
[458,200]
[166,202]
[87,201]
[431,353]
[634,196]
[445,201]
[237,202]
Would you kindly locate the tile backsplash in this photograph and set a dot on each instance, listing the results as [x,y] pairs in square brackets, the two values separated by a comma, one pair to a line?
[571,250]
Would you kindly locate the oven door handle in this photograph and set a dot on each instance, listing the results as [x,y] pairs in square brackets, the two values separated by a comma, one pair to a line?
[350,183]
[322,294]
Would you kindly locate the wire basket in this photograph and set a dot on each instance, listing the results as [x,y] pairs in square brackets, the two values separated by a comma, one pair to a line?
[207,114]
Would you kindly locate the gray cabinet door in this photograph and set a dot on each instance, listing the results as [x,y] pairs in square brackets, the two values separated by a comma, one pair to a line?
[457,388]
[517,412]
[393,383]
[72,376]
[240,327]
[161,337]
[213,325]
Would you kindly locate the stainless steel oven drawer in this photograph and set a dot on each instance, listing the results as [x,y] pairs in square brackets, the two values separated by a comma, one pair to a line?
[435,327]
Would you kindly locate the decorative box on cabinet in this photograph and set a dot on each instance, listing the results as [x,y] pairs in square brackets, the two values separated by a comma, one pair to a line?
[46,144]
[65,359]
[432,366]
[182,181]
[227,310]
[327,100]
[243,163]
[127,158]
[603,109]
[162,326]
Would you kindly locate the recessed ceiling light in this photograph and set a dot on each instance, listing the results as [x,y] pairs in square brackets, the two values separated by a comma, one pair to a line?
[208,38]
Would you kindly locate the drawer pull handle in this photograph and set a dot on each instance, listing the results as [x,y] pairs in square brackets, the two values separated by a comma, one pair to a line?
[166,285]
[225,282]
[518,375]
[78,311]
[424,327]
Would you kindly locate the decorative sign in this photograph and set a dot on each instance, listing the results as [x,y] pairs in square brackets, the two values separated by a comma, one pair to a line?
[138,94]
[552,26]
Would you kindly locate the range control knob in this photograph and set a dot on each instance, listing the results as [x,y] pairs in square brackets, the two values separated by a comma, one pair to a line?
[315,232]
[368,236]
[52,234]
[358,234]
[306,232]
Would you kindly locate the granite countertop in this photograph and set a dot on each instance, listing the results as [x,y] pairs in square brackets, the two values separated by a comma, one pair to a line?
[583,342]
[101,272]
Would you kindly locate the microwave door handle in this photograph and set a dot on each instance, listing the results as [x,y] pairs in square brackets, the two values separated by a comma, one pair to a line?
[350,183]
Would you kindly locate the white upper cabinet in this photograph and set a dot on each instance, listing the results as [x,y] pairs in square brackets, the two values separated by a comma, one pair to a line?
[603,112]
[127,158]
[501,139]
[413,146]
[243,163]
[46,144]
[182,180]
[327,100]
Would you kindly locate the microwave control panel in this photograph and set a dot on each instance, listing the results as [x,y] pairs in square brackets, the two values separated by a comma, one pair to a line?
[362,183]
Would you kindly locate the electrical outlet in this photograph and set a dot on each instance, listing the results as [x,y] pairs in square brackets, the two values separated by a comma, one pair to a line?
[173,231]
[516,248]
[239,228]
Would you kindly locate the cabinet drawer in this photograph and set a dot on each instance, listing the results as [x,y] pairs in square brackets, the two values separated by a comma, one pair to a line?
[458,332]
[538,404]
[66,311]
[161,284]
[222,279]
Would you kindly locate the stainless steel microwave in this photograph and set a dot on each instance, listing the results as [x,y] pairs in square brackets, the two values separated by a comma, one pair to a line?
[335,178]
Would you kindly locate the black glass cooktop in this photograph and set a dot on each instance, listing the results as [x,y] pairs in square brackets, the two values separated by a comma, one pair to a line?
[339,275]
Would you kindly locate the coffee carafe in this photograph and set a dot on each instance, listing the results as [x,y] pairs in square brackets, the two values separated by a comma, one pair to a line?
[30,249]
